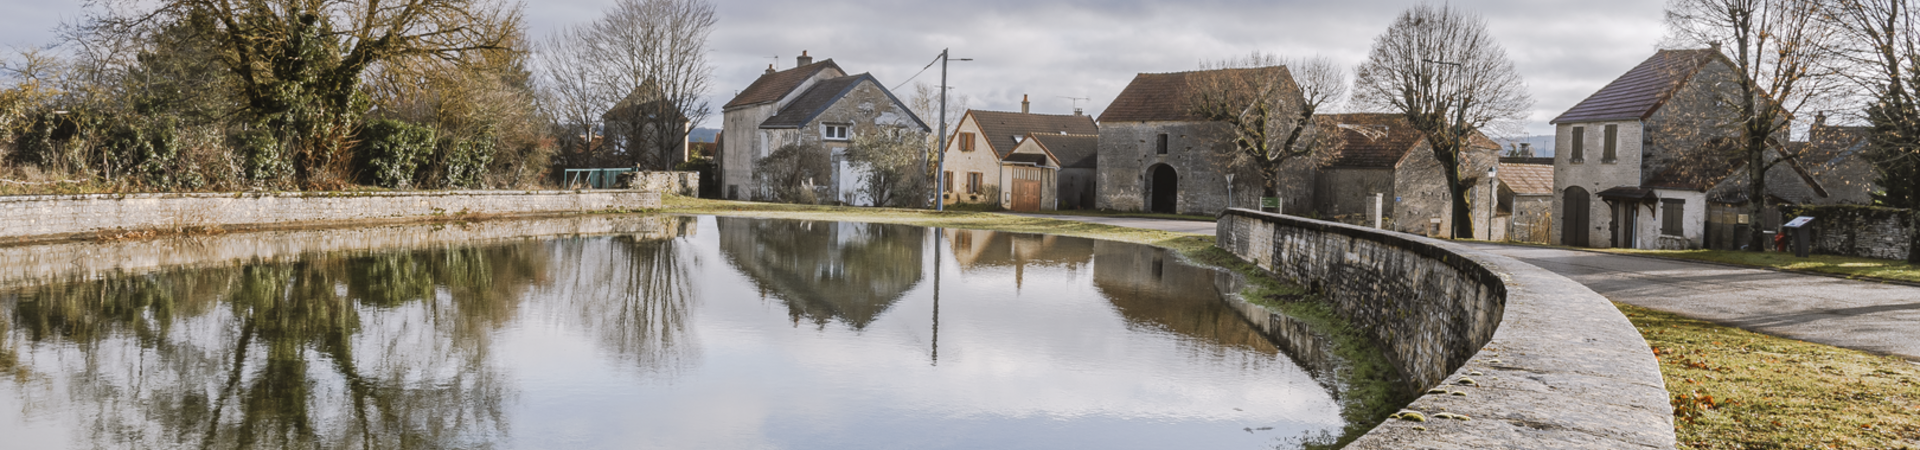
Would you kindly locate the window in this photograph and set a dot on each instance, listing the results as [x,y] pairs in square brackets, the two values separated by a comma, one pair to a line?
[1579,153]
[973,182]
[1607,153]
[1672,213]
[966,142]
[1160,147]
[947,183]
[833,132]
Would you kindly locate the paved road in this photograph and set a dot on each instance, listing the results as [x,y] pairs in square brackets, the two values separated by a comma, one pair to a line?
[1876,317]
[1177,226]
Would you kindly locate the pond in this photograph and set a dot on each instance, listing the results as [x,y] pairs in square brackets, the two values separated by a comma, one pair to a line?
[704,333]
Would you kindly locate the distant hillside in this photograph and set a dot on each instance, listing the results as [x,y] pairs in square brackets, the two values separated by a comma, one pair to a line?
[1542,145]
[702,134]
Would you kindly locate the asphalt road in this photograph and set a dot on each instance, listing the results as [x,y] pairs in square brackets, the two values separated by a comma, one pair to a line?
[1877,317]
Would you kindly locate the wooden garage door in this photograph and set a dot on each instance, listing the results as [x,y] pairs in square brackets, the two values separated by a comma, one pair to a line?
[1026,188]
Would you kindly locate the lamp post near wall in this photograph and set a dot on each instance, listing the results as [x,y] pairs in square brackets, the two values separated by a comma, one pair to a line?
[940,171]
[1229,191]
[1493,196]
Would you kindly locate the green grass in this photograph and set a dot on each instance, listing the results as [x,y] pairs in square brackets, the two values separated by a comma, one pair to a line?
[1847,266]
[1736,389]
[1098,213]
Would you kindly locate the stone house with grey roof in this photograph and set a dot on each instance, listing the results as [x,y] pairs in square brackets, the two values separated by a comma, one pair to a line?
[1156,155]
[813,103]
[1647,161]
[978,153]
[1382,154]
[1525,209]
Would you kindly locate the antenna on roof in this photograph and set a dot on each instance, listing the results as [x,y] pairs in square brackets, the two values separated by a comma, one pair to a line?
[1076,103]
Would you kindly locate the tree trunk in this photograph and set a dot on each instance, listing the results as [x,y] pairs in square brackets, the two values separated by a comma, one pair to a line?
[1913,231]
[1756,191]
[1271,172]
[1462,212]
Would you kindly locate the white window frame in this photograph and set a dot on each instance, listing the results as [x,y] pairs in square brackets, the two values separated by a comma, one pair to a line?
[828,132]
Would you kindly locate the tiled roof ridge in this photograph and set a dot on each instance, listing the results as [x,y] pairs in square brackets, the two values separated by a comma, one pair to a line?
[794,76]
[1622,98]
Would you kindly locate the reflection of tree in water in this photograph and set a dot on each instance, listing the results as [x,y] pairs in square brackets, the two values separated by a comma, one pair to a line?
[1151,288]
[325,352]
[635,295]
[826,270]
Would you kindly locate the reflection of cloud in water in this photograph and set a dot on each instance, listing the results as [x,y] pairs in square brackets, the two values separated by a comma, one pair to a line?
[826,270]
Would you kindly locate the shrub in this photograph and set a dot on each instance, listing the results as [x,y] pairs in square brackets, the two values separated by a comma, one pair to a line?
[395,150]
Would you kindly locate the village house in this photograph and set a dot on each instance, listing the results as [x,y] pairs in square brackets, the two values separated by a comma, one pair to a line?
[1525,211]
[1381,154]
[978,168]
[1156,155]
[1644,162]
[1835,157]
[813,103]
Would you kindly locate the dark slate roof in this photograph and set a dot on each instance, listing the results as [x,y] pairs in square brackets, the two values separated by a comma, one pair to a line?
[1628,193]
[1002,128]
[1075,151]
[774,86]
[1547,160]
[1371,140]
[1641,91]
[823,95]
[1030,158]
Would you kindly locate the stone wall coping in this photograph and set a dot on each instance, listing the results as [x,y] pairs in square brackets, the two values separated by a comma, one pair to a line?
[301,194]
[1564,368]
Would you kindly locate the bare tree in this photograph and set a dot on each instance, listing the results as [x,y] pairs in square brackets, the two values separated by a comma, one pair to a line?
[1267,106]
[1878,46]
[641,71]
[1780,51]
[1439,66]
[925,103]
[890,159]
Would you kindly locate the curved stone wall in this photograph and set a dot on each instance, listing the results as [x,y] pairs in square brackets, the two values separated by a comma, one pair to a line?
[1529,358]
[29,218]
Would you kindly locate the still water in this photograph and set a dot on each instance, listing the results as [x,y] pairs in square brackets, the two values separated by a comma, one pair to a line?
[716,333]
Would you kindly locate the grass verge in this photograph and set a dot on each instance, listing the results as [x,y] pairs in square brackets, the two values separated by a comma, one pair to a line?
[1736,389]
[1370,386]
[1846,266]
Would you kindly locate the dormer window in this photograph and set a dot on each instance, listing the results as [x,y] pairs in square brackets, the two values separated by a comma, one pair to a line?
[833,132]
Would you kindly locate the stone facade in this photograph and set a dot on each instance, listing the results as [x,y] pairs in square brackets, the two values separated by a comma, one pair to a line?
[1129,155]
[685,184]
[1866,232]
[742,141]
[863,106]
[40,217]
[1540,360]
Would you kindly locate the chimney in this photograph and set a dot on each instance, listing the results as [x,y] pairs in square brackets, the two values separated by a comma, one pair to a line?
[1024,106]
[770,68]
[1076,111]
[1820,119]
[1715,45]
[1526,149]
[804,59]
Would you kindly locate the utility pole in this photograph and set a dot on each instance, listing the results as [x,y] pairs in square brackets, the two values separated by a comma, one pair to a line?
[940,171]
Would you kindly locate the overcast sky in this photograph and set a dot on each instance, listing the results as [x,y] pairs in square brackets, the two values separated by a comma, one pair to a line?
[1052,49]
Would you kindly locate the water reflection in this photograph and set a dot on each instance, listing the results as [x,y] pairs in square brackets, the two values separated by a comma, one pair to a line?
[641,340]
[826,270]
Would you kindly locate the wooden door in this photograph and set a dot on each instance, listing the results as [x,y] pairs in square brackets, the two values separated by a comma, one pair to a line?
[1574,218]
[1026,195]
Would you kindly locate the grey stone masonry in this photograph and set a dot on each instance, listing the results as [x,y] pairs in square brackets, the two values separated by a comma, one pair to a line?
[1526,358]
[43,217]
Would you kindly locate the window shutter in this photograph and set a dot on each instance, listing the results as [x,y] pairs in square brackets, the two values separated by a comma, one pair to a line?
[1579,145]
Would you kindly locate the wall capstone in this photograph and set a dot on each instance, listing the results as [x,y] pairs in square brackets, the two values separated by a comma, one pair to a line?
[1541,361]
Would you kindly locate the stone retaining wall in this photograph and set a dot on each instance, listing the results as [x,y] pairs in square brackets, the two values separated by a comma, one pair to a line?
[43,217]
[683,183]
[1538,360]
[1866,232]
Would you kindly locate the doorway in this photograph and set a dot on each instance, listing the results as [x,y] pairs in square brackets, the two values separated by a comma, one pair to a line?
[1576,204]
[1163,189]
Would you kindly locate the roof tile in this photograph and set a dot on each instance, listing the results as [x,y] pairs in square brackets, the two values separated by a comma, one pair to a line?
[1003,128]
[774,86]
[1641,91]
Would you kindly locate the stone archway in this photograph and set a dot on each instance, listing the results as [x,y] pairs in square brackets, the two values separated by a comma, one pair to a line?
[1163,189]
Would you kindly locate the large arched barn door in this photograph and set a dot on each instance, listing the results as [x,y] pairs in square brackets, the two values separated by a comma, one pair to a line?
[1577,205]
[1164,191]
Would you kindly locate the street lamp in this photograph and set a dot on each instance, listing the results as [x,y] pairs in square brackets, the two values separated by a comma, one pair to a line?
[940,170]
[1493,195]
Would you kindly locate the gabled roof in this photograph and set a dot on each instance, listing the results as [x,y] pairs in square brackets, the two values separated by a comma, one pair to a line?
[1527,179]
[1075,151]
[775,86]
[1002,129]
[1165,97]
[1641,91]
[1029,158]
[824,94]
[1371,140]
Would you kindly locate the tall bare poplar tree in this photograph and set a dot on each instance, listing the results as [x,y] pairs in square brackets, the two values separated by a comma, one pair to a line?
[1878,46]
[1267,106]
[641,71]
[1438,66]
[1781,50]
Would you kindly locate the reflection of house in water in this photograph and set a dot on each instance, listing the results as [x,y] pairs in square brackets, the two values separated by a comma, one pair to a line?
[826,270]
[1151,288]
[976,250]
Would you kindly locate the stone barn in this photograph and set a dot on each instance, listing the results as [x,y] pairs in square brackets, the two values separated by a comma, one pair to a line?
[1156,155]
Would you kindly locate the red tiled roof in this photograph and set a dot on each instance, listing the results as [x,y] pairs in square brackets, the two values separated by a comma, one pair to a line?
[774,86]
[1374,140]
[1164,97]
[1641,91]
[1527,178]
[1002,129]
